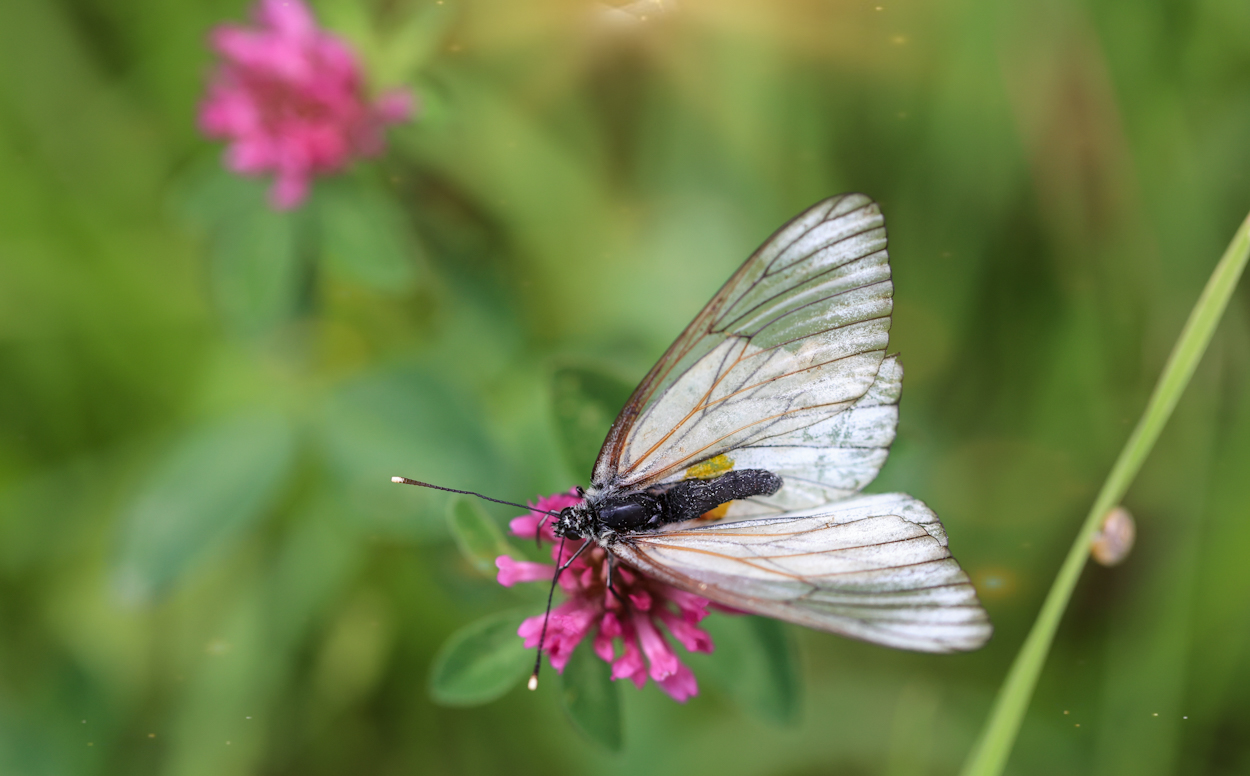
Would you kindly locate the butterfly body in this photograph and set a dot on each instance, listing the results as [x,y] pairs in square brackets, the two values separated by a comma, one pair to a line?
[608,514]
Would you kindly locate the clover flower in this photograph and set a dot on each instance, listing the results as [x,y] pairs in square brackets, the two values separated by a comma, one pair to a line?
[290,99]
[628,627]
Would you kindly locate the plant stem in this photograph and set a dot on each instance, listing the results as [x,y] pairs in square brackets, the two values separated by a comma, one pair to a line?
[989,756]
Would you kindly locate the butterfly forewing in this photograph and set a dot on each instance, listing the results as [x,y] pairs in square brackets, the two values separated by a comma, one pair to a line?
[875,568]
[795,339]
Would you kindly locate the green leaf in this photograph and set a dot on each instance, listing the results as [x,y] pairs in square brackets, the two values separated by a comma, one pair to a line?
[214,483]
[406,421]
[364,237]
[481,662]
[315,562]
[256,270]
[477,536]
[208,195]
[591,699]
[585,401]
[756,663]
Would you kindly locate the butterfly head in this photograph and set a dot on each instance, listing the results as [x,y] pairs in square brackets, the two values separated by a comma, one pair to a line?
[574,522]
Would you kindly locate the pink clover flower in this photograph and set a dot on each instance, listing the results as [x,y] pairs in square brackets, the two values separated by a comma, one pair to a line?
[290,99]
[627,631]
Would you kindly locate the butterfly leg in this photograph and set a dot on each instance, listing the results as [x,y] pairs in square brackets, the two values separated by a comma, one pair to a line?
[611,570]
[574,556]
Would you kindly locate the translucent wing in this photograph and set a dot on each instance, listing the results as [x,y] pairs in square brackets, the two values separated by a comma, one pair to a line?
[831,459]
[783,370]
[874,568]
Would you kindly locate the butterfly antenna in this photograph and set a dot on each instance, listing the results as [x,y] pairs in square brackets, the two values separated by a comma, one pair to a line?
[542,637]
[406,481]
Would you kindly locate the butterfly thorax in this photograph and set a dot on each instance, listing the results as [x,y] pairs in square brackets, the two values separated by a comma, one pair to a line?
[608,513]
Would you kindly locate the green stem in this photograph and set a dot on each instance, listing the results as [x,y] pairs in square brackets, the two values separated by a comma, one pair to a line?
[989,756]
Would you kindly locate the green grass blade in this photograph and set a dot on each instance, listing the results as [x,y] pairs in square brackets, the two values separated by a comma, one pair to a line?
[989,756]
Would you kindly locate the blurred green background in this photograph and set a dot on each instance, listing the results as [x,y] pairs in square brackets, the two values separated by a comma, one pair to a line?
[203,568]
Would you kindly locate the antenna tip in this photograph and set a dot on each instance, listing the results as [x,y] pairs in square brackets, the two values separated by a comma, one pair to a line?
[397,479]
[533,683]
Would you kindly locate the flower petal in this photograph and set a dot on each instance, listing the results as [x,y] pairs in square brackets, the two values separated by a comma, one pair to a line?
[604,647]
[641,600]
[289,189]
[566,627]
[513,571]
[558,501]
[691,637]
[693,607]
[681,684]
[610,625]
[569,625]
[287,17]
[395,106]
[525,526]
[659,654]
[630,666]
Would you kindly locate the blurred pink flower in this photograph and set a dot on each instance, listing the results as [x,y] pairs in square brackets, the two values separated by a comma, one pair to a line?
[290,99]
[627,630]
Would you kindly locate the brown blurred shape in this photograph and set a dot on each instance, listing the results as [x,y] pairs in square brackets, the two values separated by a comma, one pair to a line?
[1114,540]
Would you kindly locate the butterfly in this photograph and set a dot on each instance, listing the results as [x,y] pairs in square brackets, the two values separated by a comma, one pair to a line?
[736,467]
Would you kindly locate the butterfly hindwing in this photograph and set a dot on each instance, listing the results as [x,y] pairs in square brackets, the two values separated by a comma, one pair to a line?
[874,568]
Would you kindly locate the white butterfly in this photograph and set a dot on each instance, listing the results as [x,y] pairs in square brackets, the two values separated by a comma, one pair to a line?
[772,410]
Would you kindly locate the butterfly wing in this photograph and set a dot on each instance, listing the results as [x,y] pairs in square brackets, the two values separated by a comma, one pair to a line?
[793,341]
[831,459]
[874,568]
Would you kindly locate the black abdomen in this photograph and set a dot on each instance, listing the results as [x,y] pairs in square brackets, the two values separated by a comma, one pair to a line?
[684,501]
[690,498]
